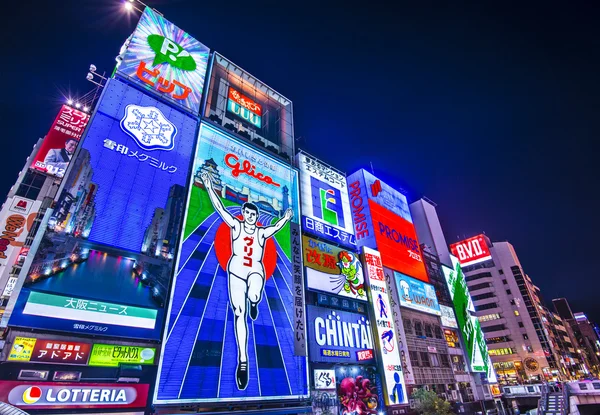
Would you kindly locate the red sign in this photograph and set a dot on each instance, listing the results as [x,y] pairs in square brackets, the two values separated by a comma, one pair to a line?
[60,395]
[245,167]
[245,102]
[397,243]
[471,251]
[60,142]
[365,355]
[56,351]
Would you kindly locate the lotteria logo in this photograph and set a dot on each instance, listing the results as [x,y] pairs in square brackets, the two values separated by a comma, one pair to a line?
[361,225]
[71,395]
[32,395]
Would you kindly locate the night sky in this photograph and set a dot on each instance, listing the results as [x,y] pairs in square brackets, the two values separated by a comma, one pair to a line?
[488,110]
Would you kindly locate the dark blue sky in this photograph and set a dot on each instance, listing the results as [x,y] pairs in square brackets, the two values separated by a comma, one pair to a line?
[489,110]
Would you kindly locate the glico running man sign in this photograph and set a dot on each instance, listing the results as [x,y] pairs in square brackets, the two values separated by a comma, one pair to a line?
[234,282]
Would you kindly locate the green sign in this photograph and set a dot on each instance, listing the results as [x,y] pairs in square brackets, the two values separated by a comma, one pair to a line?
[472,335]
[111,355]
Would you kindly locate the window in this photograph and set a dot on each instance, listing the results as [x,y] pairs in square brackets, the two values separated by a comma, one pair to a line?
[512,302]
[458,364]
[428,330]
[451,338]
[483,296]
[433,357]
[480,286]
[418,328]
[516,312]
[501,272]
[521,324]
[445,362]
[502,351]
[530,349]
[489,317]
[508,292]
[437,330]
[31,185]
[504,282]
[425,359]
[470,278]
[486,306]
[414,358]
[407,326]
[525,336]
[497,327]
[499,339]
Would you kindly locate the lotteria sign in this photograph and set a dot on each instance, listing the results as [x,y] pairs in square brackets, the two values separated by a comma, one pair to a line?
[339,336]
[382,221]
[471,251]
[73,395]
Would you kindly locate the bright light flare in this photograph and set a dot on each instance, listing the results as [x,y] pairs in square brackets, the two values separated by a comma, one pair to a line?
[77,105]
[128,6]
[70,102]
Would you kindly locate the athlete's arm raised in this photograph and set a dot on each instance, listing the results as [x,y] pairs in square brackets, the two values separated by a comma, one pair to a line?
[269,231]
[216,202]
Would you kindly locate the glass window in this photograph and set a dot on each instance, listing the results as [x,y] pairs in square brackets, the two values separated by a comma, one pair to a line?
[525,336]
[425,359]
[444,360]
[508,292]
[521,324]
[428,330]
[437,330]
[414,358]
[418,328]
[407,326]
[451,338]
[433,357]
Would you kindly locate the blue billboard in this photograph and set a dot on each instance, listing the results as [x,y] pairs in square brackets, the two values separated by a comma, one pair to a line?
[415,294]
[232,319]
[339,336]
[104,263]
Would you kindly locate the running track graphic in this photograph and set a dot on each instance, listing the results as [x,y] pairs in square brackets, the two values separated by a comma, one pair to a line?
[200,352]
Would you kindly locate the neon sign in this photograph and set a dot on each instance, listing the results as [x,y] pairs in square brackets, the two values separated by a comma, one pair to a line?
[247,168]
[244,107]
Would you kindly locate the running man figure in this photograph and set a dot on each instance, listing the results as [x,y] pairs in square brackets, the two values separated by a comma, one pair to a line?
[245,270]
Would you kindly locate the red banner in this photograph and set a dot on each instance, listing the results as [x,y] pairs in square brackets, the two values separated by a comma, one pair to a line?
[56,351]
[397,243]
[471,251]
[60,142]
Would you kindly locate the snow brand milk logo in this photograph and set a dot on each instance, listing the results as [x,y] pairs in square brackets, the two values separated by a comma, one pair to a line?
[150,129]
[71,395]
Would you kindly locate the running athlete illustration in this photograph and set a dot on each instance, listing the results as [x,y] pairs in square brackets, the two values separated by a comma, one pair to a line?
[245,270]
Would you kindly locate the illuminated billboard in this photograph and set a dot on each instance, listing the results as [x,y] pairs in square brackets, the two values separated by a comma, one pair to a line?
[416,294]
[471,251]
[339,336]
[60,143]
[112,355]
[448,317]
[382,220]
[236,282]
[16,219]
[165,60]
[33,396]
[104,264]
[473,337]
[394,388]
[333,270]
[244,107]
[325,202]
[359,390]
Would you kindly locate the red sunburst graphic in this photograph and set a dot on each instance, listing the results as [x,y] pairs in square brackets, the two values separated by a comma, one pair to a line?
[223,249]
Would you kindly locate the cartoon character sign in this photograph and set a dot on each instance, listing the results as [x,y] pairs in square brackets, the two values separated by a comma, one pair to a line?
[358,396]
[245,269]
[333,269]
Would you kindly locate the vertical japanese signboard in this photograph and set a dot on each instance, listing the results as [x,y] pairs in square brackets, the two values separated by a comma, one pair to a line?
[394,388]
[165,60]
[104,264]
[239,281]
[61,141]
[468,323]
[407,369]
[325,203]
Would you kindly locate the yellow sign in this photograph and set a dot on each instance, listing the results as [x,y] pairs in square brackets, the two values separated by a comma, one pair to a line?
[111,355]
[22,349]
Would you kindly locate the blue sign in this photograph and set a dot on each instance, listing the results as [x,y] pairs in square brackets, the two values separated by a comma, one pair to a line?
[108,251]
[339,336]
[416,294]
